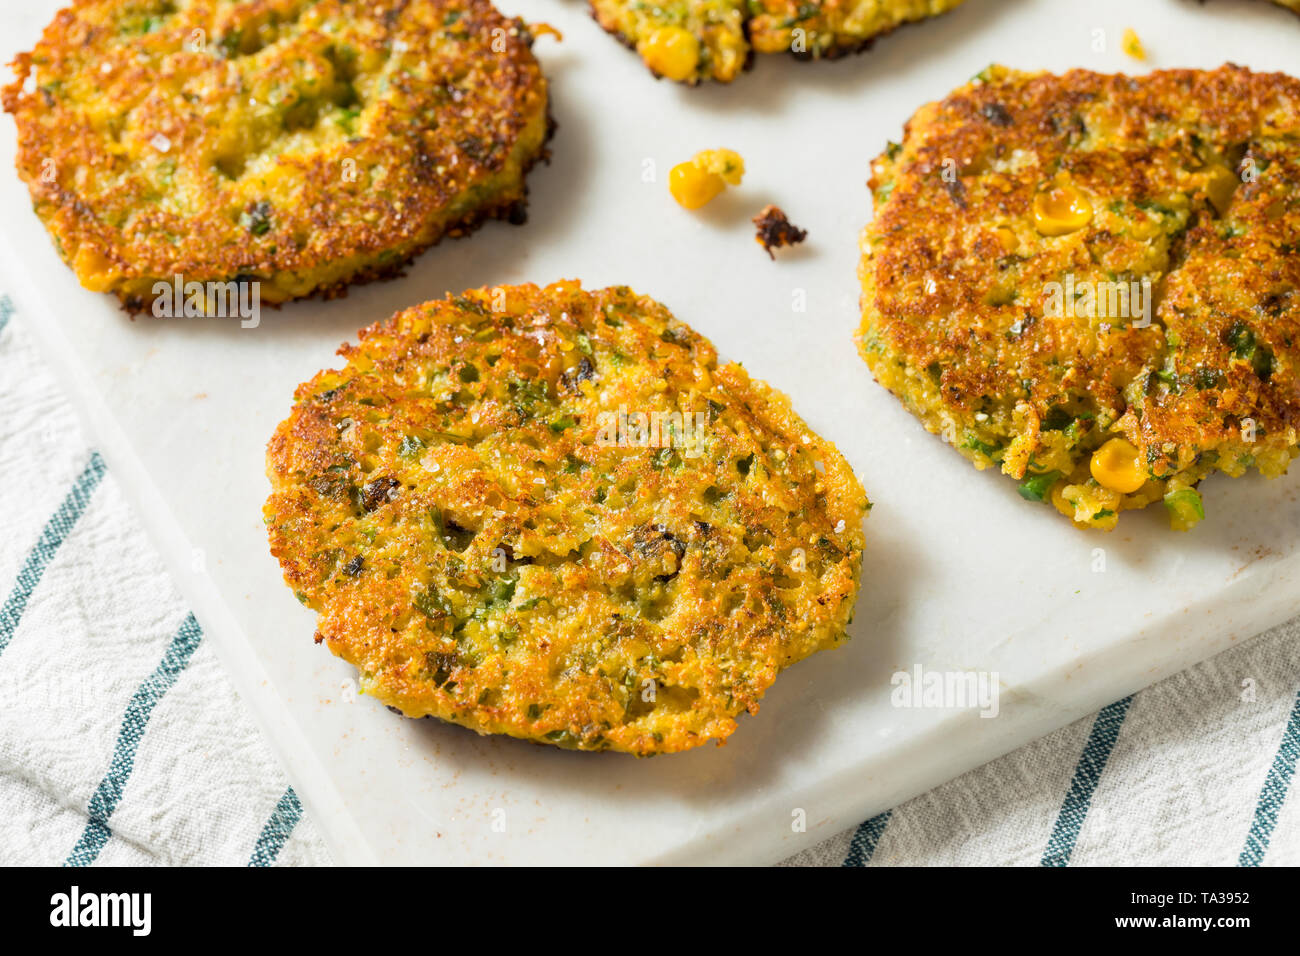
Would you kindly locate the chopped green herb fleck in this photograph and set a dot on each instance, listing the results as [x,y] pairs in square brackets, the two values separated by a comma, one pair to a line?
[1036,487]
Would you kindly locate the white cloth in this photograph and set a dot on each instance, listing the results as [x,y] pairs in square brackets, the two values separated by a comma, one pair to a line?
[1197,777]
[113,701]
[122,741]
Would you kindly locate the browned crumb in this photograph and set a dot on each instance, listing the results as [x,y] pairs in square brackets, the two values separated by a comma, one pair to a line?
[774,229]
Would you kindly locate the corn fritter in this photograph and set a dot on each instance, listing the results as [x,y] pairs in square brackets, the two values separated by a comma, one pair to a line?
[694,40]
[1092,281]
[550,513]
[304,145]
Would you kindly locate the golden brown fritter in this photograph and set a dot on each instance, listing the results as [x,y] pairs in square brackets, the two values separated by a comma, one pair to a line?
[694,40]
[550,513]
[1091,281]
[302,144]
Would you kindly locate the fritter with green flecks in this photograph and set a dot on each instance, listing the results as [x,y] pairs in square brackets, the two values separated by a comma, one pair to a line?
[551,513]
[694,40]
[1092,282]
[302,145]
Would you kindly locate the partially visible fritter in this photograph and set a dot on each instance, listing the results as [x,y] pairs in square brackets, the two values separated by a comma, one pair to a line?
[694,40]
[1093,283]
[773,230]
[550,513]
[305,144]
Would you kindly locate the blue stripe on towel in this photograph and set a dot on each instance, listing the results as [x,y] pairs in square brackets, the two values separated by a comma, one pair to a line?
[866,839]
[134,722]
[1273,793]
[275,834]
[52,536]
[1087,774]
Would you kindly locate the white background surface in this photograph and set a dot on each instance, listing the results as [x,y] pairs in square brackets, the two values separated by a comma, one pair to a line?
[959,573]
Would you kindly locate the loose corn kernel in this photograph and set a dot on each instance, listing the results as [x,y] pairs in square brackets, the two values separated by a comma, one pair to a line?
[726,163]
[1116,466]
[671,52]
[1131,45]
[692,186]
[1060,210]
[706,174]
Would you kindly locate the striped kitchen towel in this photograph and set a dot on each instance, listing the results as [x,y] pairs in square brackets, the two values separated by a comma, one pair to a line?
[122,741]
[1193,771]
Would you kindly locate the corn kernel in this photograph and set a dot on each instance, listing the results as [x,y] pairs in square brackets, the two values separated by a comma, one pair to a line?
[671,52]
[726,163]
[1116,466]
[692,186]
[1007,237]
[1063,504]
[1060,210]
[1220,185]
[1131,45]
[727,55]
[96,271]
[706,174]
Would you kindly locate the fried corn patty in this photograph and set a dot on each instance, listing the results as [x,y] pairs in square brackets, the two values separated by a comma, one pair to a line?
[302,144]
[1091,281]
[694,40]
[550,513]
